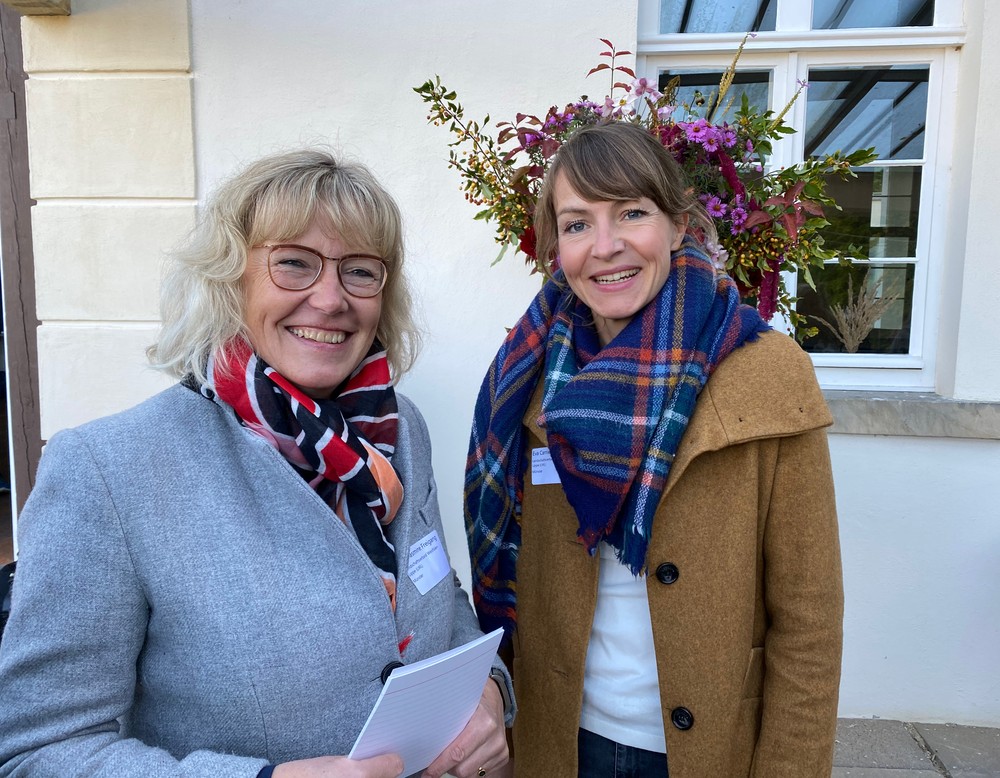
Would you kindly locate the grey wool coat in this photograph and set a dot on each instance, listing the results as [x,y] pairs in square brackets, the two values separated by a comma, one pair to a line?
[186,605]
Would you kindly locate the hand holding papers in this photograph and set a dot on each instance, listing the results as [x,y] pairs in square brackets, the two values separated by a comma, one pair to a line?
[424,706]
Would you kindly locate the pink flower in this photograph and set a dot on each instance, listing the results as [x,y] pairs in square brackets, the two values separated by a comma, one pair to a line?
[696,131]
[711,142]
[644,87]
[716,208]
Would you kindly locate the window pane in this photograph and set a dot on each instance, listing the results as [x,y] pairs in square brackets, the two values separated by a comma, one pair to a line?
[716,15]
[864,308]
[843,14]
[854,108]
[879,212]
[701,91]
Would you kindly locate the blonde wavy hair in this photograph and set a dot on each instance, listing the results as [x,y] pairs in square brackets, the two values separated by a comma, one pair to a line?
[276,199]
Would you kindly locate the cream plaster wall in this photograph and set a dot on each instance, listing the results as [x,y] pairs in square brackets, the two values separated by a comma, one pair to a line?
[112,170]
[920,537]
[977,347]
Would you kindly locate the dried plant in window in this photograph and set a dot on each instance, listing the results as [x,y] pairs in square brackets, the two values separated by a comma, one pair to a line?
[857,317]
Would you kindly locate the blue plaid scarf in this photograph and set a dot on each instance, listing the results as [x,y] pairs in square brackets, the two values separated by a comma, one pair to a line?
[614,417]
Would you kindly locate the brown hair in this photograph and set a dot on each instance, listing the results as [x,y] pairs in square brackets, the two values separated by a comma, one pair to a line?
[617,161]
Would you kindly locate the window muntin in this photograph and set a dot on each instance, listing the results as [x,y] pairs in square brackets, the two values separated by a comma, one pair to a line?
[858,107]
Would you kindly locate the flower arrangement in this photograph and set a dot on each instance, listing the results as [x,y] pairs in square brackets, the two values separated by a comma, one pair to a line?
[767,221]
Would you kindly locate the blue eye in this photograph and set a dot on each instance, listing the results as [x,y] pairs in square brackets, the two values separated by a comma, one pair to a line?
[635,213]
[573,227]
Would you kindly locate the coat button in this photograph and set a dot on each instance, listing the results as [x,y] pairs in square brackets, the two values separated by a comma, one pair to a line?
[667,573]
[682,718]
[388,669]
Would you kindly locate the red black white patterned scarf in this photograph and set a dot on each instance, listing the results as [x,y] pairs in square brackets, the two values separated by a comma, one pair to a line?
[341,446]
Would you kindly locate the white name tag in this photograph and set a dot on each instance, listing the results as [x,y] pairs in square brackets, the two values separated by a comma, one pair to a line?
[543,471]
[428,562]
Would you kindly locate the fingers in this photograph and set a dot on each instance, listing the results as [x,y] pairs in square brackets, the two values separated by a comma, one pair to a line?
[384,766]
[482,745]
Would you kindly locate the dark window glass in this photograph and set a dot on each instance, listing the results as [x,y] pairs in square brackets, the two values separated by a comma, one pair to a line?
[852,108]
[717,15]
[846,14]
[879,212]
[700,91]
[864,308]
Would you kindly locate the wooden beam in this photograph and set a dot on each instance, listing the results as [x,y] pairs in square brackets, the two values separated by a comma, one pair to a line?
[17,265]
[39,7]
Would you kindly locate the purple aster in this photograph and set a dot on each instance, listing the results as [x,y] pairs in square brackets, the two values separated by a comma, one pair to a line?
[728,137]
[716,208]
[738,215]
[696,131]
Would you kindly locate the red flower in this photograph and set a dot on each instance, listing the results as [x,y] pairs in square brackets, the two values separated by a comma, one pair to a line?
[767,294]
[527,243]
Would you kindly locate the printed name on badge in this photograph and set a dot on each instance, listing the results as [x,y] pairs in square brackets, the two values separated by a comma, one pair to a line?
[428,562]
[543,471]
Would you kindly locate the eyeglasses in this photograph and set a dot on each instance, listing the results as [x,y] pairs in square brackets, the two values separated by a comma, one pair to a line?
[296,268]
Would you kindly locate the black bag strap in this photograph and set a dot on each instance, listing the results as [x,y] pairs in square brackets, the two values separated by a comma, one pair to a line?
[6,583]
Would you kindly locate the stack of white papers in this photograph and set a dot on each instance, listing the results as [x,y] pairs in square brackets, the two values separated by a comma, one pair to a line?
[424,706]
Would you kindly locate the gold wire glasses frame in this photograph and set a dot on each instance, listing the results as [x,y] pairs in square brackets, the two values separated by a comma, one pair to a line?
[295,268]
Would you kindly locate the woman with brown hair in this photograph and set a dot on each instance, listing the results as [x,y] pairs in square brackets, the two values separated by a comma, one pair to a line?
[649,497]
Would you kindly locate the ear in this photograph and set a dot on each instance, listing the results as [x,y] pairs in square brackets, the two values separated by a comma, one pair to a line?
[680,224]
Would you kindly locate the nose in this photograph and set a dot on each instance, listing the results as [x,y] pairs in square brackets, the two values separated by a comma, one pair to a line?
[328,294]
[607,242]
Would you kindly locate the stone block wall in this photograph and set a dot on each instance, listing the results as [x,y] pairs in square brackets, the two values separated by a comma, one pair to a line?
[112,171]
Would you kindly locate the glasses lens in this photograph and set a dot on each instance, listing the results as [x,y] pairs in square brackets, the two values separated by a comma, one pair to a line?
[361,276]
[293,268]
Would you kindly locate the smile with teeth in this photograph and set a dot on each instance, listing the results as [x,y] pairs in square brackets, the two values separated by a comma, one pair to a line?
[619,276]
[320,336]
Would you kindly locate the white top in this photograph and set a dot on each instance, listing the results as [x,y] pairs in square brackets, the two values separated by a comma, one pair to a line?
[621,692]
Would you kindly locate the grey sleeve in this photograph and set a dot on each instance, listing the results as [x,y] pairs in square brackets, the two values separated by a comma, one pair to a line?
[78,623]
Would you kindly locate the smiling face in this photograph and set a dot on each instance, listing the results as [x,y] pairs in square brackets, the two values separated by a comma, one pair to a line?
[315,337]
[615,254]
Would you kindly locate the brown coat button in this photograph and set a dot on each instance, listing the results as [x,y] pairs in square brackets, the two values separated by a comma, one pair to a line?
[682,718]
[667,573]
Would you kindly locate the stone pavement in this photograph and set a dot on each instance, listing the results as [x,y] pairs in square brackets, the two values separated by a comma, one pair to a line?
[881,748]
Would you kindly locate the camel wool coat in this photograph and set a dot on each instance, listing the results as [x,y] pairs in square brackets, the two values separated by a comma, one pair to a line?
[744,586]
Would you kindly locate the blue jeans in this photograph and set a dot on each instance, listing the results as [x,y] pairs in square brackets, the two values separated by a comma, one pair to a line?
[602,758]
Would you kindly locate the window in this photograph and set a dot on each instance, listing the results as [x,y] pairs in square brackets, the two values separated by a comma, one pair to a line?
[880,74]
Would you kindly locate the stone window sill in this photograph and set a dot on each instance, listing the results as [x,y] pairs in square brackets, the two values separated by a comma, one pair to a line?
[911,415]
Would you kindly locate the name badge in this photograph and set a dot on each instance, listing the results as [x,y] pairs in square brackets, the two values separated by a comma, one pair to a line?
[428,562]
[543,470]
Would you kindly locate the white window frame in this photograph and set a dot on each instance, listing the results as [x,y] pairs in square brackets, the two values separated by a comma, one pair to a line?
[788,54]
